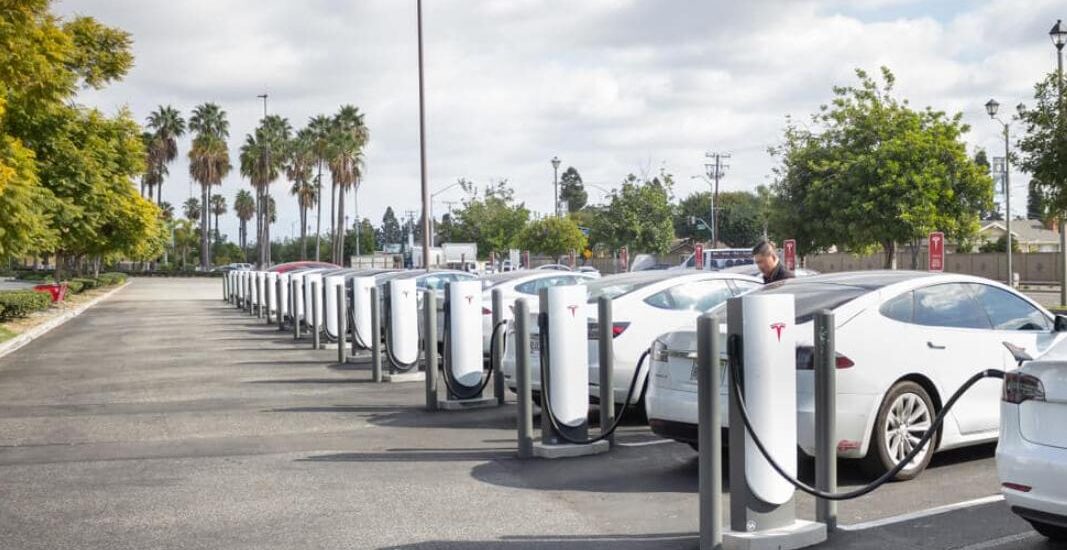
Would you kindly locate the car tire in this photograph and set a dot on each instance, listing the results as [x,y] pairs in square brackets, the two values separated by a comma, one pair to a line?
[1049,531]
[905,414]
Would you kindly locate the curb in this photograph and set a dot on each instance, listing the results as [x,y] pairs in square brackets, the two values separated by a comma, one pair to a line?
[36,332]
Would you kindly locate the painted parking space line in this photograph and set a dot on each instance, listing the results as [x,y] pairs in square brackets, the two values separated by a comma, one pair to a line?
[921,513]
[1020,537]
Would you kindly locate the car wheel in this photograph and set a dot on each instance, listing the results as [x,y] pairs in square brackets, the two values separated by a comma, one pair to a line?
[907,412]
[1052,532]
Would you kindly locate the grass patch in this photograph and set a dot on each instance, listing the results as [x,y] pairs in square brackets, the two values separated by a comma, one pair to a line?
[6,334]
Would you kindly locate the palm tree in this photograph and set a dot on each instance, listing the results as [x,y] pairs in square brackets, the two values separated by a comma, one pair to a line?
[209,161]
[166,211]
[319,127]
[167,126]
[261,159]
[191,208]
[299,161]
[218,208]
[348,137]
[184,237]
[245,207]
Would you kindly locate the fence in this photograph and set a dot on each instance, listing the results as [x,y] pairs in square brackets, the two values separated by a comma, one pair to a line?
[1033,267]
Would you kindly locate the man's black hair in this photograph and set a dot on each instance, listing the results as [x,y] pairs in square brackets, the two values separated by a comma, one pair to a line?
[763,247]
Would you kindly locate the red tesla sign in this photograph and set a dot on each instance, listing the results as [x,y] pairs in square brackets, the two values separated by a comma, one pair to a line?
[937,251]
[698,256]
[790,247]
[624,259]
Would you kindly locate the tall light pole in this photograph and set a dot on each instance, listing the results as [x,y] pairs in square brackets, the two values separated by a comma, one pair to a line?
[555,185]
[1058,34]
[422,152]
[991,107]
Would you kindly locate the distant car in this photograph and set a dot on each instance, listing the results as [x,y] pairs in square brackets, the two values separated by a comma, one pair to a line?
[555,267]
[588,269]
[905,342]
[1032,452]
[290,266]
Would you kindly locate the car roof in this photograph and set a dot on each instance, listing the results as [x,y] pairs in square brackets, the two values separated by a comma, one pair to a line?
[871,280]
[508,276]
[416,273]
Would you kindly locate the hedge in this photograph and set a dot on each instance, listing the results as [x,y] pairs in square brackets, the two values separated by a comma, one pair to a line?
[112,278]
[20,303]
[87,284]
[74,287]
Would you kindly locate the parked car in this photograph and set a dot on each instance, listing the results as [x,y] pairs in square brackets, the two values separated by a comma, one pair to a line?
[905,342]
[588,269]
[554,267]
[644,304]
[753,270]
[1032,452]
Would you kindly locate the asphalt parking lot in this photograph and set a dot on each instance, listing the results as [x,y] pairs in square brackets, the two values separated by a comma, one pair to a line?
[163,418]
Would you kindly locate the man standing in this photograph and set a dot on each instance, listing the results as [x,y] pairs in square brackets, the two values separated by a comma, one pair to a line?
[766,258]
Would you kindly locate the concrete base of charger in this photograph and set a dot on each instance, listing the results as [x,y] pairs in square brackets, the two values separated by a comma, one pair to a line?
[799,535]
[568,450]
[464,404]
[414,376]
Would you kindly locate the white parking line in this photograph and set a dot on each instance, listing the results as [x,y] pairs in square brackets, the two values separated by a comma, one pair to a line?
[645,443]
[1002,540]
[921,514]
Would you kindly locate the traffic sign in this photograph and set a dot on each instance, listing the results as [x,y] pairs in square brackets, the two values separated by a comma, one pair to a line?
[790,247]
[698,256]
[936,247]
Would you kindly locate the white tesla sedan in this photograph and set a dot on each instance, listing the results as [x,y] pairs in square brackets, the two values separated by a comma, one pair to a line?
[906,341]
[1032,452]
[644,304]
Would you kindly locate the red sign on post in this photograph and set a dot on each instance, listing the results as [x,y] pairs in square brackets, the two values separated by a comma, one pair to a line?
[790,248]
[624,260]
[698,256]
[936,246]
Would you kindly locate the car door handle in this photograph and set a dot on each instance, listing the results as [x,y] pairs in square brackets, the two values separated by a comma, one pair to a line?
[932,345]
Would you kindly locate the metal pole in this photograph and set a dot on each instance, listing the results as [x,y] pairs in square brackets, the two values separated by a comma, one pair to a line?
[709,432]
[606,361]
[281,313]
[292,310]
[825,417]
[555,187]
[259,297]
[497,359]
[225,293]
[1063,226]
[524,418]
[342,322]
[429,342]
[315,314]
[422,153]
[1007,201]
[376,335]
[269,292]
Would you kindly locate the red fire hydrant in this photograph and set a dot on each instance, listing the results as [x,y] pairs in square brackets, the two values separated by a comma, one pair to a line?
[57,290]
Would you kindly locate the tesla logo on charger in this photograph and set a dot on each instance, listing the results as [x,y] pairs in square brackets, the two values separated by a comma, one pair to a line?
[573,309]
[406,293]
[777,328]
[469,298]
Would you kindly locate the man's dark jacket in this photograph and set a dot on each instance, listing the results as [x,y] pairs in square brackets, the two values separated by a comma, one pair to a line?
[780,273]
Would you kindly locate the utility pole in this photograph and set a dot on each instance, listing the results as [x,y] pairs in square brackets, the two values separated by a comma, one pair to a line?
[715,170]
[426,200]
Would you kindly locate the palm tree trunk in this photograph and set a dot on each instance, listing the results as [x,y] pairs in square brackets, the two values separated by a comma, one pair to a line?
[318,218]
[266,226]
[333,214]
[339,239]
[205,257]
[303,232]
[159,194]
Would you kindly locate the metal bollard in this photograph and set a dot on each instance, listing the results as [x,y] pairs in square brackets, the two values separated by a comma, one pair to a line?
[524,419]
[342,321]
[429,342]
[497,360]
[376,335]
[315,314]
[606,361]
[278,293]
[259,297]
[709,431]
[269,292]
[248,293]
[225,287]
[292,309]
[825,417]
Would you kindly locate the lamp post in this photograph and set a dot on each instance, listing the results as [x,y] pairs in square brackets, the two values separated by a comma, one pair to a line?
[991,107]
[422,153]
[1058,34]
[555,185]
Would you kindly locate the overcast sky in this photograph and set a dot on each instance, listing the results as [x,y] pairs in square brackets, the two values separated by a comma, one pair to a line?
[610,86]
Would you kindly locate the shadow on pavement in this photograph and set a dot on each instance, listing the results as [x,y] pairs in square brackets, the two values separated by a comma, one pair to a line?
[418,455]
[606,542]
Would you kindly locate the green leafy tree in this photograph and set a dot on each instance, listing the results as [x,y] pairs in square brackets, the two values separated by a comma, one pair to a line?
[245,207]
[999,245]
[572,190]
[638,216]
[299,165]
[1044,148]
[218,208]
[166,125]
[209,162]
[871,171]
[492,220]
[551,236]
[981,160]
[740,222]
[390,230]
[348,136]
[366,238]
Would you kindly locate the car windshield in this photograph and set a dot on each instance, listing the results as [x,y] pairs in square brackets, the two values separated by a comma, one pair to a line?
[614,286]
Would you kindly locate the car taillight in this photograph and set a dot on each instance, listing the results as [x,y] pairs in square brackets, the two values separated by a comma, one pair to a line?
[486,311]
[659,351]
[806,359]
[1019,387]
[617,328]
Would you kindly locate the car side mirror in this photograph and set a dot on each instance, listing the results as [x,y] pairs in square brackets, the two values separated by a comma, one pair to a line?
[1060,325]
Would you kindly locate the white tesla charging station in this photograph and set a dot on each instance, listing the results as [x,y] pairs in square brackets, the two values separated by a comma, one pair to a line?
[239,287]
[298,297]
[309,296]
[330,315]
[762,337]
[463,362]
[283,294]
[361,312]
[402,325]
[270,289]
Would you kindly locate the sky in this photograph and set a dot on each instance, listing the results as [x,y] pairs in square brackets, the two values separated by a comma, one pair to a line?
[611,87]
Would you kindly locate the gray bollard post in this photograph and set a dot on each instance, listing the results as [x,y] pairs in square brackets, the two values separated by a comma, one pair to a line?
[376,335]
[606,362]
[825,417]
[269,292]
[429,342]
[709,432]
[225,287]
[278,292]
[292,309]
[497,360]
[315,315]
[248,293]
[524,418]
[342,322]
[260,301]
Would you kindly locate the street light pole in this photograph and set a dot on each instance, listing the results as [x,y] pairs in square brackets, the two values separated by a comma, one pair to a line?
[1058,34]
[555,185]
[422,153]
[991,107]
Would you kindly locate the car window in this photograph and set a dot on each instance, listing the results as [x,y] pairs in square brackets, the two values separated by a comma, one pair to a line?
[948,305]
[691,296]
[1007,311]
[900,308]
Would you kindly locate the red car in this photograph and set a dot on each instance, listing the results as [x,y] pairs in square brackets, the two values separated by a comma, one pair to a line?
[289,266]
